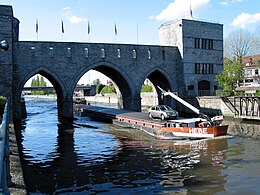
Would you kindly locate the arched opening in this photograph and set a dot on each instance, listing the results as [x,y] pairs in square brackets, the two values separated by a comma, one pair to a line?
[155,79]
[204,88]
[44,84]
[123,91]
[107,87]
[39,88]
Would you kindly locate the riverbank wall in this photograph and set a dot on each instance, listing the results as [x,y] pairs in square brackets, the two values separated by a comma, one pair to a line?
[211,105]
[147,99]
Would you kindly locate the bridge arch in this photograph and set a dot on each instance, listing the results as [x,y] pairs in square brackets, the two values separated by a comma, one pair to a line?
[124,85]
[160,78]
[55,81]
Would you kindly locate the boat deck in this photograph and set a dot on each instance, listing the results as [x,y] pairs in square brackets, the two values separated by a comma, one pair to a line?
[182,128]
[124,118]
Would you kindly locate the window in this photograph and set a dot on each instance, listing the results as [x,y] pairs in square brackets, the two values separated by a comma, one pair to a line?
[118,53]
[197,43]
[134,53]
[203,43]
[203,68]
[163,54]
[103,55]
[33,50]
[197,68]
[51,51]
[68,52]
[190,87]
[86,52]
[149,54]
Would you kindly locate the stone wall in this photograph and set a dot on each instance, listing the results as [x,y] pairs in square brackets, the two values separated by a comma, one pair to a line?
[211,105]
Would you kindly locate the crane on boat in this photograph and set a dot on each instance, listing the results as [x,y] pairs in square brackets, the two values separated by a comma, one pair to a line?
[188,105]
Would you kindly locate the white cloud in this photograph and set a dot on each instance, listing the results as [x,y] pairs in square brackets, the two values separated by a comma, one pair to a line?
[76,20]
[244,19]
[180,8]
[71,18]
[230,2]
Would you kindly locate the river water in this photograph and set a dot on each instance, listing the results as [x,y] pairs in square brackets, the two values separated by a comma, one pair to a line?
[90,157]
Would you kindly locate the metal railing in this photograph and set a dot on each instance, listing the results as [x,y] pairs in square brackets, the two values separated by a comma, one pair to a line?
[4,151]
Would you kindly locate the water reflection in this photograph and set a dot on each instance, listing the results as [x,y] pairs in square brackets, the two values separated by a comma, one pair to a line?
[245,128]
[90,157]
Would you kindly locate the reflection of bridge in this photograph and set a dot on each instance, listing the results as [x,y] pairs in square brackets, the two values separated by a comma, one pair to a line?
[244,107]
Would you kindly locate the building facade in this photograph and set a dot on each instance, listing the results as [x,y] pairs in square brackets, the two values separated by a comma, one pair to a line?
[201,47]
[251,67]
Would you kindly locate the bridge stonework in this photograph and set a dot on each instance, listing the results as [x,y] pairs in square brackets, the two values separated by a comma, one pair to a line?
[128,65]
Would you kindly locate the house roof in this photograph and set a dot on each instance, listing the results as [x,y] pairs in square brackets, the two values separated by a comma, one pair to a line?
[252,61]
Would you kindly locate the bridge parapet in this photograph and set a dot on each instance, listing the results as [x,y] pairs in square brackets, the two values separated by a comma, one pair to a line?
[94,51]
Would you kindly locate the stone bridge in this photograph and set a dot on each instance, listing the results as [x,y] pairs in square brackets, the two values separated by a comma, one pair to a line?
[183,68]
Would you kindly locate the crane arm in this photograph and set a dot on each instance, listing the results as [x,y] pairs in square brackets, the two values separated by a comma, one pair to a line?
[194,109]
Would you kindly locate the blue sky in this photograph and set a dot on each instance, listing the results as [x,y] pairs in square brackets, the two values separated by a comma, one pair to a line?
[136,20]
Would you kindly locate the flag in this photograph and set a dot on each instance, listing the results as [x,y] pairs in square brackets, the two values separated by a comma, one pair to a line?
[62,26]
[115,30]
[37,26]
[88,28]
[191,12]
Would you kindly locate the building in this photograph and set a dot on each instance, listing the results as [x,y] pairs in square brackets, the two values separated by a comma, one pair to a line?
[251,67]
[201,47]
[250,82]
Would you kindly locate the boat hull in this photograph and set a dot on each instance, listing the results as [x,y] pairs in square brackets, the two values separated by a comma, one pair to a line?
[189,132]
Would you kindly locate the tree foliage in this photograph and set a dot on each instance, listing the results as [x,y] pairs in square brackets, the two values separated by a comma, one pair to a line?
[39,82]
[231,75]
[255,41]
[108,89]
[99,87]
[238,44]
[147,88]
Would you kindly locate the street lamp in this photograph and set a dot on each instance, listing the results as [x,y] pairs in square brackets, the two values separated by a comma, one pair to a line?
[4,45]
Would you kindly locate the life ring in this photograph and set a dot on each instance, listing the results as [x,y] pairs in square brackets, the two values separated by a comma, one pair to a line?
[201,124]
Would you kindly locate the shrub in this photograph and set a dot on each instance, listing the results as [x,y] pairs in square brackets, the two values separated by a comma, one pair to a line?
[147,88]
[108,89]
[2,105]
[99,88]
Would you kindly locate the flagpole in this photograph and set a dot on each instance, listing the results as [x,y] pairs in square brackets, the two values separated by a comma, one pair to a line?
[191,15]
[115,32]
[88,32]
[62,30]
[37,28]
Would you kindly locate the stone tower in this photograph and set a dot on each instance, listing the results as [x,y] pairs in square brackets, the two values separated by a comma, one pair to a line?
[8,31]
[201,47]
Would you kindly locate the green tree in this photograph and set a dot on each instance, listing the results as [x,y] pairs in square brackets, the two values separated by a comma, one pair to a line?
[230,75]
[38,82]
[108,89]
[99,87]
[147,88]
